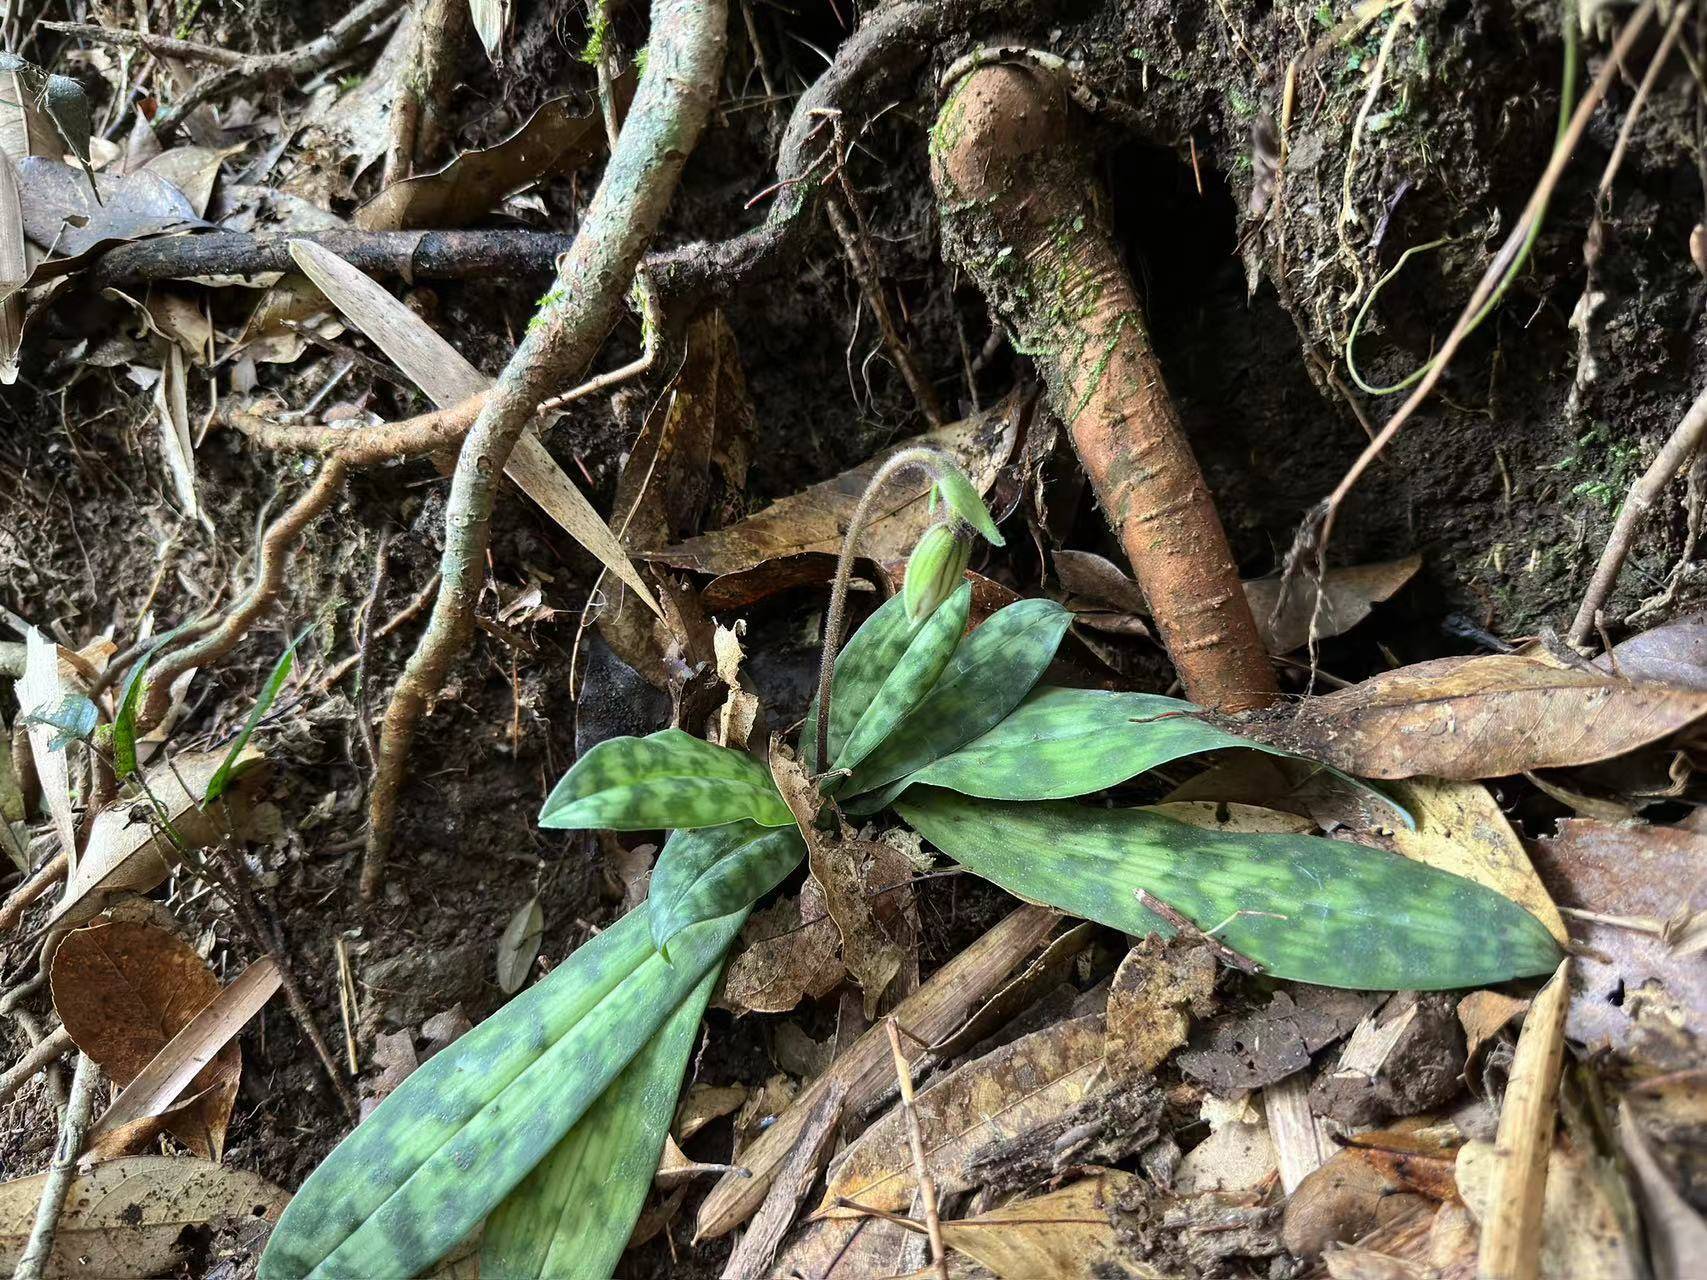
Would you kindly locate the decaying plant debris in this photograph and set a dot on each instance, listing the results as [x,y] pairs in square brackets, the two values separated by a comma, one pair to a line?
[832,640]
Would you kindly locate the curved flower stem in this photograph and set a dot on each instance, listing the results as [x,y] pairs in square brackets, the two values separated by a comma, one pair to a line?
[934,463]
[669,111]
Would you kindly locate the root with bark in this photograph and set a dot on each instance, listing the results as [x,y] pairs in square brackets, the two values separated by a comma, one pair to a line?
[1021,213]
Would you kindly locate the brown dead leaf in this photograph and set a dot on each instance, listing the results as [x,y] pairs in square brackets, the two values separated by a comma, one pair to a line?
[867,1068]
[814,520]
[1581,1237]
[1063,1235]
[704,1103]
[14,270]
[1105,597]
[843,864]
[128,1218]
[792,952]
[1480,717]
[124,991]
[62,216]
[1269,1044]
[999,1096]
[1265,781]
[395,1061]
[1361,1187]
[139,1112]
[1156,991]
[1674,654]
[556,139]
[751,1257]
[1237,1154]
[128,851]
[1642,887]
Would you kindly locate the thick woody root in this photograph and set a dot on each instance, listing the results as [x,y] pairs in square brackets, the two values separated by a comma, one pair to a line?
[1020,211]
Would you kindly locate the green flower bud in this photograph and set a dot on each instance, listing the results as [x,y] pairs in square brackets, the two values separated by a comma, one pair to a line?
[936,567]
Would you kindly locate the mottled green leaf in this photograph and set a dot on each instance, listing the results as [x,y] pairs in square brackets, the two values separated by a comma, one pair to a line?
[706,873]
[861,668]
[572,1216]
[1305,908]
[73,719]
[270,690]
[666,779]
[462,1132]
[992,670]
[909,680]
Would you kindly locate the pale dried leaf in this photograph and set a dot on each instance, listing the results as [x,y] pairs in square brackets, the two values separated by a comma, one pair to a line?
[49,678]
[128,1218]
[171,402]
[446,377]
[14,270]
[1580,1236]
[1062,1235]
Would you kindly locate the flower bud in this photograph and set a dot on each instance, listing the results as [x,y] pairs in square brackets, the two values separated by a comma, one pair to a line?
[935,568]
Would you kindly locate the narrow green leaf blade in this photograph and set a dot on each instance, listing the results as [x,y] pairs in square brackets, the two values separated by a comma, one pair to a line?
[861,668]
[572,1216]
[130,700]
[992,670]
[462,1132]
[707,873]
[910,679]
[666,779]
[270,690]
[1305,908]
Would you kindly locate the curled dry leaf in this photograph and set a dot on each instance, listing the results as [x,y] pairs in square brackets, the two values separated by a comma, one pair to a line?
[812,522]
[1481,717]
[556,139]
[1006,1093]
[1363,1186]
[843,864]
[128,1218]
[62,217]
[1638,989]
[14,270]
[123,992]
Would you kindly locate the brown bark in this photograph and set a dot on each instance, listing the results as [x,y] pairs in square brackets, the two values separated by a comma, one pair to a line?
[1022,213]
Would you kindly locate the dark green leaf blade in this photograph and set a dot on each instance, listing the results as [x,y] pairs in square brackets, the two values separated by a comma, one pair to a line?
[992,670]
[707,873]
[275,681]
[666,779]
[1305,908]
[130,699]
[909,680]
[462,1132]
[572,1216]
[861,668]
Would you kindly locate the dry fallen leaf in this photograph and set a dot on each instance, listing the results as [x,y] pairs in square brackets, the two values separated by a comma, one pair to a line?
[446,377]
[1004,1094]
[1642,887]
[842,863]
[136,1114]
[1157,989]
[123,992]
[50,677]
[1675,653]
[791,953]
[518,946]
[867,1069]
[1238,1153]
[1063,1235]
[14,270]
[171,400]
[1481,717]
[62,216]
[127,1218]
[813,521]
[1581,1238]
[1269,1044]
[128,849]
[556,139]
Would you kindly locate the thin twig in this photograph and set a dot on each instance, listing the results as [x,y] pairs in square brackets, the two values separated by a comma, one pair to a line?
[408,613]
[50,873]
[161,46]
[1674,455]
[916,1143]
[670,109]
[55,1043]
[72,1130]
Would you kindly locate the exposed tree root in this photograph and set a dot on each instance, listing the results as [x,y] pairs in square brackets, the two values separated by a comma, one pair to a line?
[669,111]
[73,1129]
[52,1046]
[49,874]
[357,446]
[1019,211]
[273,557]
[407,255]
